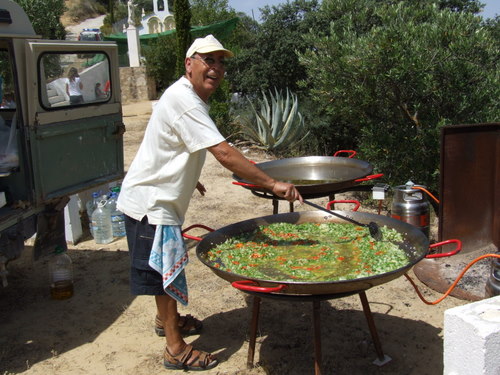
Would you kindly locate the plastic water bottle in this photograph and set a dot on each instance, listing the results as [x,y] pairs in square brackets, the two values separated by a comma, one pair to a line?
[91,206]
[101,224]
[117,217]
[61,274]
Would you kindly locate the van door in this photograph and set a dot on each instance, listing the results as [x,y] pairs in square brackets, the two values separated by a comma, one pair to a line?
[74,116]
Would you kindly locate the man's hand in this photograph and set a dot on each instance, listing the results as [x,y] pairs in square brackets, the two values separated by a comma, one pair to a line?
[287,191]
[201,188]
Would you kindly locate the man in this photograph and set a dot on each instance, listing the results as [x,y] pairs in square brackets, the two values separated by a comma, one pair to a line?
[155,194]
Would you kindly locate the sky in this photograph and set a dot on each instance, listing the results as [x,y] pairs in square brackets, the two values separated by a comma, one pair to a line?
[492,7]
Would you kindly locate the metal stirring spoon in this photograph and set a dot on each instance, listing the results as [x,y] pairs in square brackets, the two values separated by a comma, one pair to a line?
[372,226]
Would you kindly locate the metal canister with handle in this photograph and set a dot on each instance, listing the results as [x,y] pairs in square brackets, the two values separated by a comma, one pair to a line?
[411,206]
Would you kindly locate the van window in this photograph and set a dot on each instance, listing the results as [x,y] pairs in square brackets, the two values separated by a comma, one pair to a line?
[9,159]
[74,79]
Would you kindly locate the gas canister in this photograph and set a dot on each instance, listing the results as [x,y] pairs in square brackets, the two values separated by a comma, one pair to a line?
[411,206]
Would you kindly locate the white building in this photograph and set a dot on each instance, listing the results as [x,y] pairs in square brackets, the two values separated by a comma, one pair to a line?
[157,22]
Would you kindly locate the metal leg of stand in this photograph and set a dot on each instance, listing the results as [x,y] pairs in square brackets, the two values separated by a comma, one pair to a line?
[317,337]
[382,359]
[253,331]
[276,204]
[331,197]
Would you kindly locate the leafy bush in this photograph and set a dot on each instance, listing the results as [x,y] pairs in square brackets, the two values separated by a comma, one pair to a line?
[220,103]
[45,17]
[160,58]
[391,75]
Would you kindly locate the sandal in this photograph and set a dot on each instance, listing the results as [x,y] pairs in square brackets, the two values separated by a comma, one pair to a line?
[198,361]
[188,325]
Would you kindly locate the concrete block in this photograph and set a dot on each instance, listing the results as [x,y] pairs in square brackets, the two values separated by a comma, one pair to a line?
[472,338]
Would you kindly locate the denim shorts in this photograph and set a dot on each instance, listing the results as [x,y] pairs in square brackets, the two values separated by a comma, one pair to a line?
[143,279]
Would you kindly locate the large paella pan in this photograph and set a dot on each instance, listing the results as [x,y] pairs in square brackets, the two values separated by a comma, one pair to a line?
[415,244]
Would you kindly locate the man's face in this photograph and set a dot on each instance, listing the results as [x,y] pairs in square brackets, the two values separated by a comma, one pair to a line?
[205,71]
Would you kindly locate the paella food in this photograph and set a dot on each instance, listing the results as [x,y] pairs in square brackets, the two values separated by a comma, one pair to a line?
[310,252]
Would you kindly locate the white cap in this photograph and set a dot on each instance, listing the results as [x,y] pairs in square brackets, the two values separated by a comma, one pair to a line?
[206,45]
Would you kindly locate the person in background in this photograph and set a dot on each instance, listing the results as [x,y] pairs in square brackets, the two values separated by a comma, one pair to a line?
[156,191]
[74,87]
[8,101]
[99,94]
[107,88]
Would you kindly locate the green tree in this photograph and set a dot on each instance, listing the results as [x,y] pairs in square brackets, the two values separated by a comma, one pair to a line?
[206,12]
[160,56]
[469,6]
[493,25]
[390,75]
[45,17]
[269,59]
[182,15]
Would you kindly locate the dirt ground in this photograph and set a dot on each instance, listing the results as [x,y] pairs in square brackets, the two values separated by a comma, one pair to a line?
[102,329]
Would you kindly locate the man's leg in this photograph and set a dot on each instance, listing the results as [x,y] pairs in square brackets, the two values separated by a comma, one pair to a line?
[176,346]
[167,310]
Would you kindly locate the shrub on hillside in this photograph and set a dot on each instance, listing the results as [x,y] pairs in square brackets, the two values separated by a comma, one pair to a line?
[80,10]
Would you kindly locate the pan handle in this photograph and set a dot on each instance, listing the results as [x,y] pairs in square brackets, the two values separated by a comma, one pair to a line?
[370,177]
[189,237]
[247,185]
[329,204]
[351,152]
[245,285]
[441,255]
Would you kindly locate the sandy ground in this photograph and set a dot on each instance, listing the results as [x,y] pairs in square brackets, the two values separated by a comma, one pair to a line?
[105,330]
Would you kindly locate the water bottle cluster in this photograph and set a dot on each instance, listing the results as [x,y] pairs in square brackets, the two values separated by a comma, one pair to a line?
[106,221]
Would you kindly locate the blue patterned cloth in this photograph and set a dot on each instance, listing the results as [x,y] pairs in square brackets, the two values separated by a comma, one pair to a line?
[169,257]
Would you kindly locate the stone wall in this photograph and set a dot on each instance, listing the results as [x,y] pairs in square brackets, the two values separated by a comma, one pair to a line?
[135,85]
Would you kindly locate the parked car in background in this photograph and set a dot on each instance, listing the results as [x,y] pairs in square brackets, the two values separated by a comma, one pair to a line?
[90,35]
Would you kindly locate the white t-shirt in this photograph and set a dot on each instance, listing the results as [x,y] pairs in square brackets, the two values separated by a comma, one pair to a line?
[74,86]
[166,169]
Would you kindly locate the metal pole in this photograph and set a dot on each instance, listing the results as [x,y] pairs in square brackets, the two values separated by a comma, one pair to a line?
[253,331]
[275,206]
[317,337]
[382,359]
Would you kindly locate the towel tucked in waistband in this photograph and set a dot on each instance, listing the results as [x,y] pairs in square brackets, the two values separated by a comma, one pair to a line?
[169,257]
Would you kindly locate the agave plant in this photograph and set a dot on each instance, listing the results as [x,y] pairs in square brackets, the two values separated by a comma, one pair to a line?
[276,123]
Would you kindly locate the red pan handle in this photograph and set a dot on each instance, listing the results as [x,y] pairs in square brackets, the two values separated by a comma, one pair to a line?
[245,285]
[351,152]
[441,255]
[370,177]
[246,185]
[329,204]
[195,226]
